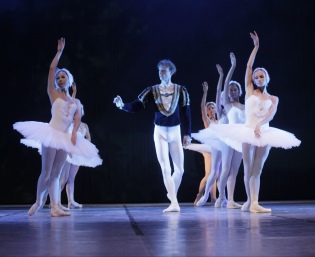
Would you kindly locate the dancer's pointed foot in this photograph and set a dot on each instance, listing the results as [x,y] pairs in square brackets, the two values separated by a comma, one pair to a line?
[60,206]
[233,205]
[202,201]
[256,208]
[199,195]
[57,212]
[72,205]
[245,206]
[174,207]
[35,207]
[220,203]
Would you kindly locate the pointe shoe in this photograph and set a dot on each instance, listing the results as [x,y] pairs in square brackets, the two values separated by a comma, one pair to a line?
[220,203]
[256,208]
[199,195]
[174,207]
[245,206]
[60,206]
[74,205]
[35,207]
[202,201]
[56,212]
[233,205]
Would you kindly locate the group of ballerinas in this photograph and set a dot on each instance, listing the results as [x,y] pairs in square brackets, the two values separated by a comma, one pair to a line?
[241,132]
[233,132]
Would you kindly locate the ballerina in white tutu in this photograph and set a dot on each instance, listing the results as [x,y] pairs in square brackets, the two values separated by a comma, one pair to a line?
[255,138]
[208,114]
[231,111]
[54,139]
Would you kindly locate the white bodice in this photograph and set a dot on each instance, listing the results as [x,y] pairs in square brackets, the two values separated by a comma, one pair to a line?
[236,116]
[62,113]
[256,110]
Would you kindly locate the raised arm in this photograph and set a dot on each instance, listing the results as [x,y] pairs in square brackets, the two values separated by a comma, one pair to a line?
[249,88]
[51,89]
[225,97]
[205,118]
[220,111]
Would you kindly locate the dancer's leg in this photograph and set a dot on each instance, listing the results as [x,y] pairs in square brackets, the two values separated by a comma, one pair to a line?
[215,168]
[202,185]
[64,176]
[54,187]
[47,156]
[70,187]
[222,181]
[162,152]
[254,182]
[235,165]
[248,153]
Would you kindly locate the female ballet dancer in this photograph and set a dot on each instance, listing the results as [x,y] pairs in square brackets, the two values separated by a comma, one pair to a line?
[208,113]
[54,139]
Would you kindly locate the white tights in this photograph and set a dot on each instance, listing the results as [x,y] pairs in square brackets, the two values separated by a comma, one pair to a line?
[168,141]
[52,163]
[68,175]
[253,160]
[231,161]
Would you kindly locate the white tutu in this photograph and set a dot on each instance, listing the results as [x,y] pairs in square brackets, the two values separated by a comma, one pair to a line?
[208,138]
[201,148]
[236,134]
[84,153]
[57,134]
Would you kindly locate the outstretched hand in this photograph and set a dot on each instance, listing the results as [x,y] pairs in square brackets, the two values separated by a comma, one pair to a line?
[205,87]
[255,38]
[61,44]
[118,101]
[233,59]
[220,70]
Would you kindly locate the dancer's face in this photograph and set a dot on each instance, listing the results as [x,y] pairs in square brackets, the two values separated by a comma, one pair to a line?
[62,80]
[211,111]
[164,73]
[234,91]
[260,78]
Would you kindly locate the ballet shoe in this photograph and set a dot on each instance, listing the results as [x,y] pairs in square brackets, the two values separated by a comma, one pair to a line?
[57,212]
[202,201]
[60,206]
[74,205]
[199,195]
[245,206]
[220,203]
[256,208]
[35,207]
[233,205]
[174,207]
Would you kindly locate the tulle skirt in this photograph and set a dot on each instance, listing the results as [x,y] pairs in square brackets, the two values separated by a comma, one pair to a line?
[235,135]
[201,148]
[36,134]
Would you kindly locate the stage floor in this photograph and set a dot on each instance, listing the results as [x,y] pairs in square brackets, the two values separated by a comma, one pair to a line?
[143,230]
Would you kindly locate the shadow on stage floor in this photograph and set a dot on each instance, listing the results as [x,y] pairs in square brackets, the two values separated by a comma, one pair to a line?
[143,230]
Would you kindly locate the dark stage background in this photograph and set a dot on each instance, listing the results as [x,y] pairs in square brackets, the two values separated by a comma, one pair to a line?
[112,47]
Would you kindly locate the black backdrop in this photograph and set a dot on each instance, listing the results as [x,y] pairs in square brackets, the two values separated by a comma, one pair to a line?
[112,47]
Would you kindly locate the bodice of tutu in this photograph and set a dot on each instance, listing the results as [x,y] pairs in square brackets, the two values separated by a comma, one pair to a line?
[62,114]
[256,110]
[236,116]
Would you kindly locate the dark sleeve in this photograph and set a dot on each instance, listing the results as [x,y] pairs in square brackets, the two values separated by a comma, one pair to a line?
[140,103]
[185,111]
